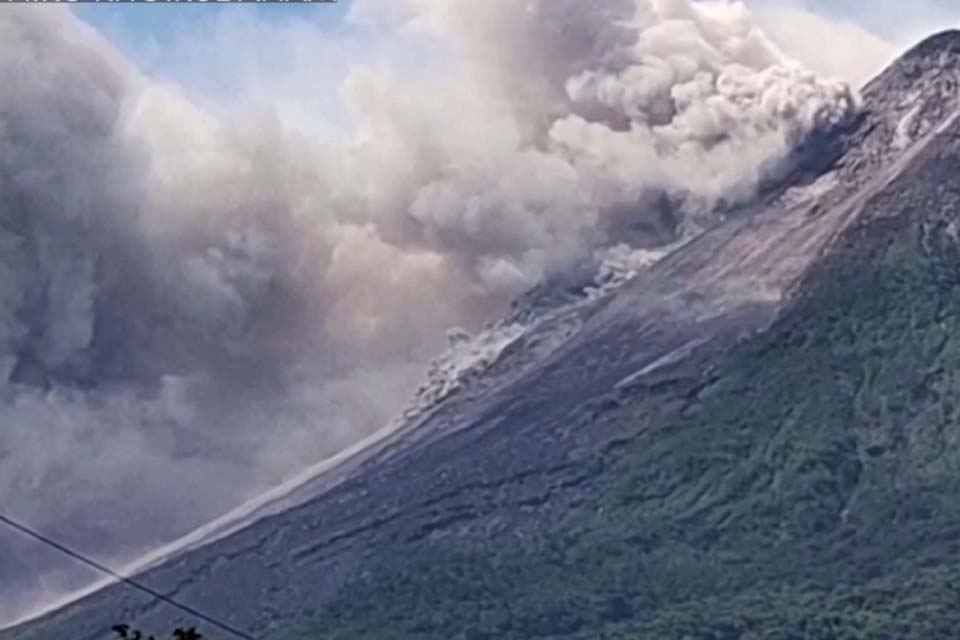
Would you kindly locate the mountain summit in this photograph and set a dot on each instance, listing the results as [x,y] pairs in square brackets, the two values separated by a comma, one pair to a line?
[943,47]
[756,436]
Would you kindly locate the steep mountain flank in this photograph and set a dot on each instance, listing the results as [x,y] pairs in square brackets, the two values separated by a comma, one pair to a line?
[758,436]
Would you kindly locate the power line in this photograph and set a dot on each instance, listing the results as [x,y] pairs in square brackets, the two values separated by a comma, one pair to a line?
[125,580]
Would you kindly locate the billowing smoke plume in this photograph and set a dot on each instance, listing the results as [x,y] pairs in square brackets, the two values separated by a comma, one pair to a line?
[195,307]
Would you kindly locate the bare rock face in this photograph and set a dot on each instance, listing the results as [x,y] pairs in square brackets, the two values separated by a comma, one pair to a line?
[727,426]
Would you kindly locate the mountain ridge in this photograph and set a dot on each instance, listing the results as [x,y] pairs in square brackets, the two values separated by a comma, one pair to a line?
[528,448]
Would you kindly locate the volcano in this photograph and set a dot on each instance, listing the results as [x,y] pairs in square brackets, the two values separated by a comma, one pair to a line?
[756,436]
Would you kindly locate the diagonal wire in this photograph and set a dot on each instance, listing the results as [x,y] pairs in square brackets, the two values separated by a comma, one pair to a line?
[13,524]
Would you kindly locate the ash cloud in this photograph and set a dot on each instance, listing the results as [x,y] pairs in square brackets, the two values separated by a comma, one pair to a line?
[568,118]
[196,306]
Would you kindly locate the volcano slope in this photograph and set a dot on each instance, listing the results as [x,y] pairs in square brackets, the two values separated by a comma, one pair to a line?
[757,437]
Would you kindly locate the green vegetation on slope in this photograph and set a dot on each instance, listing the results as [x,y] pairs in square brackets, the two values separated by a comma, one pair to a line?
[806,487]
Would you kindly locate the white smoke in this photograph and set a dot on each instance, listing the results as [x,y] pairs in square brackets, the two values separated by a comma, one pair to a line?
[196,306]
[570,117]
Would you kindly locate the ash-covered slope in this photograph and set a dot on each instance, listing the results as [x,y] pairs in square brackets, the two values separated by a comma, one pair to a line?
[755,437]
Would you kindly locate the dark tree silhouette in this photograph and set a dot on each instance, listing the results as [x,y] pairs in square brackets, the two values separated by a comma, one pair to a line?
[124,632]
